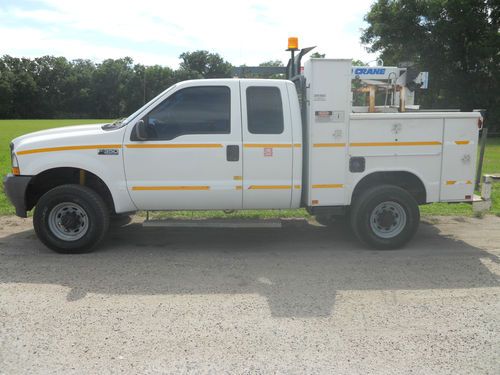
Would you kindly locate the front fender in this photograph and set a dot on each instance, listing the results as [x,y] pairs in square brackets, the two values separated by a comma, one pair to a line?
[109,168]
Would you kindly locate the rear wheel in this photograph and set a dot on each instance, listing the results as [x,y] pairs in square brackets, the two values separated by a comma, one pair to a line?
[385,217]
[71,219]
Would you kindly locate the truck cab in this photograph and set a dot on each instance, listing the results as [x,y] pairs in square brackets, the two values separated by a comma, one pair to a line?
[217,144]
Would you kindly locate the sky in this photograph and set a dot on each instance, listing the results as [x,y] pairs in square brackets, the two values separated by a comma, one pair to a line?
[157,32]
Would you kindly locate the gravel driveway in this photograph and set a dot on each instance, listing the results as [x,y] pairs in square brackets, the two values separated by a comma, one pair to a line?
[296,300]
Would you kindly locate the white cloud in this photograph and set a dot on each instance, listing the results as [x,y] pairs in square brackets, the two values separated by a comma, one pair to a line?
[150,31]
[43,43]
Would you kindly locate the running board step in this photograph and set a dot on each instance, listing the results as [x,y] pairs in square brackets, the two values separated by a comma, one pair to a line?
[213,223]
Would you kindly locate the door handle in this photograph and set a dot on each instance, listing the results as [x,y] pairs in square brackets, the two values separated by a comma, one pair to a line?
[233,152]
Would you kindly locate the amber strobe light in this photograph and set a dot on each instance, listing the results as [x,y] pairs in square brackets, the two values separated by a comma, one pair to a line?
[293,43]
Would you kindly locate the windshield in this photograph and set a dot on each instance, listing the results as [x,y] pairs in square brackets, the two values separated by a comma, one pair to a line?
[145,106]
[124,121]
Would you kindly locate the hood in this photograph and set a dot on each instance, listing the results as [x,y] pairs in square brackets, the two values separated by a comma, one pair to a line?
[67,136]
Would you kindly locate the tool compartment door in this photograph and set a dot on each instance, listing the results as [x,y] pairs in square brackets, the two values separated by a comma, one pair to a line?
[329,97]
[459,158]
[267,145]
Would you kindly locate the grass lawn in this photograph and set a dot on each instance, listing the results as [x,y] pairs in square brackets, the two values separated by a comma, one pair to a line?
[10,129]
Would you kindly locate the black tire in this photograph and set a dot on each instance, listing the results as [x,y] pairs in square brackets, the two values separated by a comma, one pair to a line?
[370,230]
[96,217]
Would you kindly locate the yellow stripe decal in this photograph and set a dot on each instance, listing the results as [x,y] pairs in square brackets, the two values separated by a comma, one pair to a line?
[328,186]
[453,182]
[237,178]
[270,145]
[297,145]
[462,142]
[171,188]
[383,144]
[329,145]
[66,148]
[239,187]
[265,187]
[297,186]
[174,145]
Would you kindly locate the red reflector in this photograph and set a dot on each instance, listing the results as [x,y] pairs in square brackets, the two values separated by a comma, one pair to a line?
[468,197]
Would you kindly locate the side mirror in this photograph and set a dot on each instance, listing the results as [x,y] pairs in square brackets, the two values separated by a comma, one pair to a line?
[141,131]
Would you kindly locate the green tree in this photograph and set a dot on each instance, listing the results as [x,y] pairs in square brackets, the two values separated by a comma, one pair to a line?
[276,63]
[111,86]
[272,63]
[457,41]
[23,86]
[79,96]
[51,76]
[266,75]
[6,89]
[158,78]
[52,87]
[317,55]
[206,64]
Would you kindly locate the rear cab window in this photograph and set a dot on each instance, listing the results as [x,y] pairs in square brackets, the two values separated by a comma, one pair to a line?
[264,110]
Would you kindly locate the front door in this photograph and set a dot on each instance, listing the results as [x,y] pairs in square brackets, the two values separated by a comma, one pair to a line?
[192,157]
[267,145]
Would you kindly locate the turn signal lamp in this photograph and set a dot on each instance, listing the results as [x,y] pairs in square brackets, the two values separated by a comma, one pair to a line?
[15,165]
[293,43]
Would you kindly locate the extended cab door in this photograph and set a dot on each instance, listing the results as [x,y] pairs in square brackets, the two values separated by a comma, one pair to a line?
[267,145]
[192,157]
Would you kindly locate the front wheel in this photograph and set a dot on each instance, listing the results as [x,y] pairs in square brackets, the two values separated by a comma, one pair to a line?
[71,219]
[385,217]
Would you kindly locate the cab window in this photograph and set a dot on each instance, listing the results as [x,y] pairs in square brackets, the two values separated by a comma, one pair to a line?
[264,110]
[193,110]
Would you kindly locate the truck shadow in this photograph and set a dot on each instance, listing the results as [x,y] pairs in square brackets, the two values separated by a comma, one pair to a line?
[298,268]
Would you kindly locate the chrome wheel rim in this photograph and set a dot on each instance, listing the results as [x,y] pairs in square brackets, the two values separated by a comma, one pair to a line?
[68,221]
[388,219]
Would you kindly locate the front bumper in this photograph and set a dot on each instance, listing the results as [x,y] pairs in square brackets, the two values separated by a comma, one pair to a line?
[15,189]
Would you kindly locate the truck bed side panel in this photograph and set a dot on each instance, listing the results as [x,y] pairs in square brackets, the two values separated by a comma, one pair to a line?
[398,143]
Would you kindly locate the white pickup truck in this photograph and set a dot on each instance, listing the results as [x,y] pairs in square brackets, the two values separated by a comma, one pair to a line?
[247,144]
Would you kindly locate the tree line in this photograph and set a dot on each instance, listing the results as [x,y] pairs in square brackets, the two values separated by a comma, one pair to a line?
[54,87]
